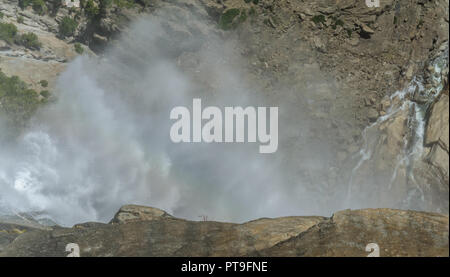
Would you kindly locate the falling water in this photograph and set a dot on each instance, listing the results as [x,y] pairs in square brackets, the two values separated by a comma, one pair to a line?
[415,98]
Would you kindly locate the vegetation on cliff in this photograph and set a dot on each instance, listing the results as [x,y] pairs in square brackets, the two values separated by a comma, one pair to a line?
[29,40]
[67,26]
[39,6]
[231,18]
[17,101]
[8,33]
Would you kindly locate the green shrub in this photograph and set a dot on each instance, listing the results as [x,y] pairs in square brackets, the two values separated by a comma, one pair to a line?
[8,32]
[18,102]
[91,9]
[226,19]
[243,16]
[336,22]
[24,3]
[145,3]
[1,15]
[229,21]
[349,33]
[20,19]
[44,83]
[45,93]
[39,6]
[67,26]
[129,3]
[106,3]
[29,40]
[318,19]
[78,48]
[252,11]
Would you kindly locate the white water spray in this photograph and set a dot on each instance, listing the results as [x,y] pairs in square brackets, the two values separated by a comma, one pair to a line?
[415,99]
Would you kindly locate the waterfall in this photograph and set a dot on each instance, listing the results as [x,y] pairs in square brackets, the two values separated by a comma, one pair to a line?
[415,99]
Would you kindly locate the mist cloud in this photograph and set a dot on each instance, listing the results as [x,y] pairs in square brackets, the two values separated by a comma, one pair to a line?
[105,142]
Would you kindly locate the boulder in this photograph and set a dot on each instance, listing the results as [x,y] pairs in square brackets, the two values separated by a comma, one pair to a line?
[131,213]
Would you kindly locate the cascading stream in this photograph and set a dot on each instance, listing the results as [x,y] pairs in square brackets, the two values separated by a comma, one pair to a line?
[415,99]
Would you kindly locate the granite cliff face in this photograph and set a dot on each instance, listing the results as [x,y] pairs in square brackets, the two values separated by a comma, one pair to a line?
[145,231]
[31,64]
[372,83]
[396,232]
[403,152]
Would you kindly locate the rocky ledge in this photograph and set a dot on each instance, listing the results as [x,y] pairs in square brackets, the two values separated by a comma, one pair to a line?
[145,231]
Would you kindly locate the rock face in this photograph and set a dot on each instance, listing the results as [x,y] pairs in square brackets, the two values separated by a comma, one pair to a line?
[132,213]
[346,59]
[437,136]
[13,226]
[34,65]
[152,232]
[404,159]
[396,232]
[366,55]
[8,232]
